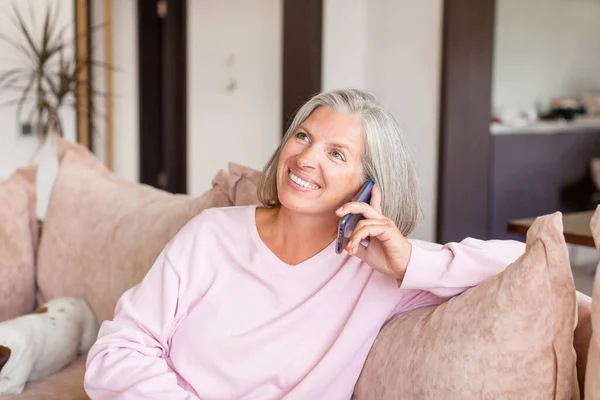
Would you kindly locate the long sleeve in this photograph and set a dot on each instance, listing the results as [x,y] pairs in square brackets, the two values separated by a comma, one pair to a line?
[453,268]
[128,361]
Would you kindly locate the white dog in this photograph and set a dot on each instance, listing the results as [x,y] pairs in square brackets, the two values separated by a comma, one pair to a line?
[42,343]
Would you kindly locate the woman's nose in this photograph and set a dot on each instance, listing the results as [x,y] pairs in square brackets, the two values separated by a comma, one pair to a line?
[307,159]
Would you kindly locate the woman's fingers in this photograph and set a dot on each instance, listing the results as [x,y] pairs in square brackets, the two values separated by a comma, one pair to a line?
[368,228]
[368,222]
[365,209]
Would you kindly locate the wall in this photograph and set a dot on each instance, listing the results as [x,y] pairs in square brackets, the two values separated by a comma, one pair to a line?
[344,44]
[404,64]
[234,85]
[545,48]
[393,48]
[124,89]
[125,86]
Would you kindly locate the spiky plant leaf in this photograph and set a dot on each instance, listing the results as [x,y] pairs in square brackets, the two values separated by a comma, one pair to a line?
[24,96]
[20,22]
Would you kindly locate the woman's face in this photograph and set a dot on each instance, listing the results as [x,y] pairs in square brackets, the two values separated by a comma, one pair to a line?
[320,167]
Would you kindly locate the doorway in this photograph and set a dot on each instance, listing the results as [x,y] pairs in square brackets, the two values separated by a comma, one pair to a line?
[162,64]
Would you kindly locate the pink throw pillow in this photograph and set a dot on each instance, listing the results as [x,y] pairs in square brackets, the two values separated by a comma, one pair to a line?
[221,182]
[592,376]
[582,338]
[243,185]
[102,233]
[18,243]
[511,337]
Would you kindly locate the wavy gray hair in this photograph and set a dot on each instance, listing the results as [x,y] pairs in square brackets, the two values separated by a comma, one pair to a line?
[387,159]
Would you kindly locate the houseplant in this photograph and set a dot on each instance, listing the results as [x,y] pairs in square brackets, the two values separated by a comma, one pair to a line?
[48,75]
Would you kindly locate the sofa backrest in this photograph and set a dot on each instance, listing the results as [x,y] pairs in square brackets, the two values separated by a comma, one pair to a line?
[102,233]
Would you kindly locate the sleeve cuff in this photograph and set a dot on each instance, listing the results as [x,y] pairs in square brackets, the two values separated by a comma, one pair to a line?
[423,271]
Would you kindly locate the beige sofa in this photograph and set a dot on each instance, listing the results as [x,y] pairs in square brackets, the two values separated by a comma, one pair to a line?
[101,234]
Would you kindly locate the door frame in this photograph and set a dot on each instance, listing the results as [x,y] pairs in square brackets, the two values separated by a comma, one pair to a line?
[162,62]
[465,113]
[302,55]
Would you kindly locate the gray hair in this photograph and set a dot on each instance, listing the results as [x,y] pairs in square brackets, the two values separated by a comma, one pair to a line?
[386,160]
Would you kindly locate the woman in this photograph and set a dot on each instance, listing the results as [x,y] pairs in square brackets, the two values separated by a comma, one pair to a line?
[254,302]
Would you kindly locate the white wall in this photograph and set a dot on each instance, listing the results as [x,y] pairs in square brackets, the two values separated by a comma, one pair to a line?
[17,150]
[125,89]
[545,48]
[404,64]
[234,92]
[344,44]
[393,48]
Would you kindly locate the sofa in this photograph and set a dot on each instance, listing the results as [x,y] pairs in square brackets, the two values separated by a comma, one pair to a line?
[522,334]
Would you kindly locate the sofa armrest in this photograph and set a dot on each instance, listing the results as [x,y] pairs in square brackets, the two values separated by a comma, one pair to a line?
[582,336]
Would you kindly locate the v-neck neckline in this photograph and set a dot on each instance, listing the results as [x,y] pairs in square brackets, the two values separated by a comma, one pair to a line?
[314,261]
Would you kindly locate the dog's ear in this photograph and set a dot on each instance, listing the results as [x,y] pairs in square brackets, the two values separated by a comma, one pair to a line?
[4,356]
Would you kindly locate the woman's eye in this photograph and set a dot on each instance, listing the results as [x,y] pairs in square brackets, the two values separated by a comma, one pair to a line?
[302,136]
[338,155]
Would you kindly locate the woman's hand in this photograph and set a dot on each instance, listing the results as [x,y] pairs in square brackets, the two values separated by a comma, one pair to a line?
[388,251]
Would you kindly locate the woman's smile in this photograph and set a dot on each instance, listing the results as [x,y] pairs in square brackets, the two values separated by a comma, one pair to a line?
[301,184]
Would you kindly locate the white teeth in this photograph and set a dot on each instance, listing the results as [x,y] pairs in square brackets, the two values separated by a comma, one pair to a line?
[302,182]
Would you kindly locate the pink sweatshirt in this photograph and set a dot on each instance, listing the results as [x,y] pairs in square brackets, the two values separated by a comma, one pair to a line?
[219,316]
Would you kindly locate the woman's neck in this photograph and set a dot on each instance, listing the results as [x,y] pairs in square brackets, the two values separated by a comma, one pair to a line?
[292,235]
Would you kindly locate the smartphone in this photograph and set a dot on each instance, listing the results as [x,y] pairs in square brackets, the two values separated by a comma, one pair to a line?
[348,222]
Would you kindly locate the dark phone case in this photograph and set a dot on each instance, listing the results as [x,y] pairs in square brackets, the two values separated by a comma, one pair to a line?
[349,221]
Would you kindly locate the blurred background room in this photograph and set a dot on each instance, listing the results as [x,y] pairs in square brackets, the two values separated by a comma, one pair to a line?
[500,100]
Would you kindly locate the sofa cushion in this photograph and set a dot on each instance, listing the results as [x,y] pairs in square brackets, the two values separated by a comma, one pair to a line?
[243,185]
[511,337]
[64,385]
[18,243]
[592,376]
[102,233]
[583,335]
[221,182]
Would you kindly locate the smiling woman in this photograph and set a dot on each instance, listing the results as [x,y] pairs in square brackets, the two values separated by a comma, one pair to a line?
[255,302]
[373,142]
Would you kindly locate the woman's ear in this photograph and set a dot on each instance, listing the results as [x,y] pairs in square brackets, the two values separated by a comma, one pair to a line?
[4,356]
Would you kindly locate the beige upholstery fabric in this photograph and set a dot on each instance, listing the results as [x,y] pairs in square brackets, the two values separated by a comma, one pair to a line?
[102,233]
[592,376]
[63,146]
[221,182]
[26,176]
[64,385]
[509,338]
[583,335]
[18,243]
[243,183]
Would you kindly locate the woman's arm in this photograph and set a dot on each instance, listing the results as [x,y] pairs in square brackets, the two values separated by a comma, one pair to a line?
[444,271]
[128,361]
[455,267]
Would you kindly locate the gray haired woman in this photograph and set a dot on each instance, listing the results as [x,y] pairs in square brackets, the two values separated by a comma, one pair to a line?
[255,303]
